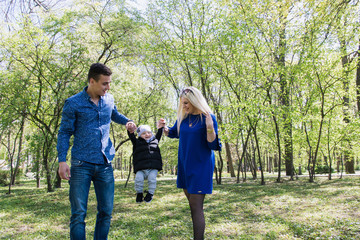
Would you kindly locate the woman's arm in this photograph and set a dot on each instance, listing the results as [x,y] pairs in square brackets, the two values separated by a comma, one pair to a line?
[171,132]
[210,131]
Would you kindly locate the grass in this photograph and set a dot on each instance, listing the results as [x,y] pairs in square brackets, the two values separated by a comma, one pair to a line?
[289,210]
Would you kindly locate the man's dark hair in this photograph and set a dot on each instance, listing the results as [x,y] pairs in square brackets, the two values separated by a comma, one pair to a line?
[97,69]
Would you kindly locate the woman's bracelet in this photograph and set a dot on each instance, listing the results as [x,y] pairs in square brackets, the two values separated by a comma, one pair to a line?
[210,130]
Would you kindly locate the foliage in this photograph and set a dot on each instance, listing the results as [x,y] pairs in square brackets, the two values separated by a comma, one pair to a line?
[274,67]
[323,169]
[279,72]
[44,64]
[291,210]
[4,177]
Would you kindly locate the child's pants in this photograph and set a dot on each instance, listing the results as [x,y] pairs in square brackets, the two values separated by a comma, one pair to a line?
[150,175]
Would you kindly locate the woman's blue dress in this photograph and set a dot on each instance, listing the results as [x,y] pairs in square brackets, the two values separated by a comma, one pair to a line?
[196,159]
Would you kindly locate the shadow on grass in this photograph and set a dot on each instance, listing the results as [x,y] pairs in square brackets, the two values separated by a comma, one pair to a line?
[252,190]
[289,210]
[292,209]
[166,217]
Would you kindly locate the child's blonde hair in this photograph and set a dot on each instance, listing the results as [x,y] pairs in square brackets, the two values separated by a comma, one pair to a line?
[194,96]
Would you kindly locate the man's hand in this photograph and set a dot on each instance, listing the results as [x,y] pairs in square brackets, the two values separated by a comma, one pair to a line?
[131,127]
[64,171]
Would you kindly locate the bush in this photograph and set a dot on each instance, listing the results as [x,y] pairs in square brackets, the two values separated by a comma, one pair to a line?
[323,169]
[18,175]
[4,177]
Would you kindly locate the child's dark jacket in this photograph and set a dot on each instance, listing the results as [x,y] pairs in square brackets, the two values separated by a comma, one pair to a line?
[146,155]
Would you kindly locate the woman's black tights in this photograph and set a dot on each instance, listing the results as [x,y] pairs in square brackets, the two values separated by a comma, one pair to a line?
[196,202]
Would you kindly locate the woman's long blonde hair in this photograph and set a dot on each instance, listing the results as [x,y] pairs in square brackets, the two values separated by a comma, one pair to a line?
[194,96]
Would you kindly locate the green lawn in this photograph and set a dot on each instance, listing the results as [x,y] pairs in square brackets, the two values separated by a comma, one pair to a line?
[289,210]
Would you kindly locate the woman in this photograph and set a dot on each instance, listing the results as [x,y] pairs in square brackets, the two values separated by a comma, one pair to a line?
[196,128]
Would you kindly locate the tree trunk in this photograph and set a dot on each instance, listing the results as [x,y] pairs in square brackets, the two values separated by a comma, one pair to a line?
[21,135]
[37,166]
[259,156]
[349,162]
[57,183]
[229,159]
[11,158]
[220,168]
[270,164]
[48,175]
[278,163]
[252,161]
[329,151]
[358,81]
[127,180]
[285,99]
[243,154]
[46,151]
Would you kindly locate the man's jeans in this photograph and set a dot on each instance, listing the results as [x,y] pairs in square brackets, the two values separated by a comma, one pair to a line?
[82,173]
[150,175]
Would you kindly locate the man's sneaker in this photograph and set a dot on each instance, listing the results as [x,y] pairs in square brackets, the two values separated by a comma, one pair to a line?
[148,197]
[139,197]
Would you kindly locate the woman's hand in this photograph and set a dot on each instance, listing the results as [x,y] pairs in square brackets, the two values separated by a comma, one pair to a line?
[166,131]
[209,122]
[211,136]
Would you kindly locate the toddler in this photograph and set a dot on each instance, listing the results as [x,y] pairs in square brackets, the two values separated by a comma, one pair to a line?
[147,159]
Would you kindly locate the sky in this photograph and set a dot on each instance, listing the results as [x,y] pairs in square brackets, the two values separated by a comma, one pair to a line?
[139,4]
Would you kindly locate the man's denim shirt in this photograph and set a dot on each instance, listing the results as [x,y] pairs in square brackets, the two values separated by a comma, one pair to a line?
[90,125]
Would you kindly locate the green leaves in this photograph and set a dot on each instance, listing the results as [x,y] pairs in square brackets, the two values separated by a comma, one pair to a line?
[257,62]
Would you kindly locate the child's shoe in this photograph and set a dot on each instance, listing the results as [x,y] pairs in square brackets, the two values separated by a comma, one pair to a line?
[139,197]
[148,197]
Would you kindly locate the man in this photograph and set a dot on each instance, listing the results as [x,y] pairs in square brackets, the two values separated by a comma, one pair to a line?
[87,116]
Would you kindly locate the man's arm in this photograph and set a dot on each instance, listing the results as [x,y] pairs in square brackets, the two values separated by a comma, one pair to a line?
[118,118]
[121,119]
[67,128]
[64,171]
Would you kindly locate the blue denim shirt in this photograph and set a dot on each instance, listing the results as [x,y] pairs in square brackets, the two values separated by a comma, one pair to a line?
[90,125]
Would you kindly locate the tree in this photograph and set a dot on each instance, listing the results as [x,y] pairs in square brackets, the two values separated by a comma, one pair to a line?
[13,144]
[181,49]
[345,36]
[48,61]
[11,8]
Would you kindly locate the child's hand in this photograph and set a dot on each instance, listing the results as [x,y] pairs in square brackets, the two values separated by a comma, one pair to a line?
[161,123]
[131,127]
